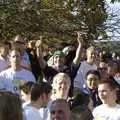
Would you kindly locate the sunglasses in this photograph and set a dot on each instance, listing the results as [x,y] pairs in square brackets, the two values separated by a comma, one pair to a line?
[103,68]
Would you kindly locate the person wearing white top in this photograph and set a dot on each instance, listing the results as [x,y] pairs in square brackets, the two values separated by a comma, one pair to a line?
[109,110]
[20,42]
[60,88]
[39,98]
[13,77]
[31,113]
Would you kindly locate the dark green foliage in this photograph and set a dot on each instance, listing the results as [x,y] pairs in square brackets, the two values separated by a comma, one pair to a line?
[57,20]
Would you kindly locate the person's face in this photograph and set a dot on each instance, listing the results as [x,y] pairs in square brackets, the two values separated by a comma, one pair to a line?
[4,50]
[62,88]
[103,70]
[112,69]
[92,81]
[59,112]
[21,46]
[58,61]
[15,58]
[106,94]
[91,55]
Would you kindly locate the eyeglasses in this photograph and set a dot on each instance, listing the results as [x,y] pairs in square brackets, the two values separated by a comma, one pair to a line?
[103,68]
[57,111]
[92,79]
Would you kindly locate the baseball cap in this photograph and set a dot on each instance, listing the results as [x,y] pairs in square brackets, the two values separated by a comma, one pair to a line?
[58,53]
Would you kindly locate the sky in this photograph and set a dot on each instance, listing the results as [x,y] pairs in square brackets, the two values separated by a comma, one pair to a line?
[115,9]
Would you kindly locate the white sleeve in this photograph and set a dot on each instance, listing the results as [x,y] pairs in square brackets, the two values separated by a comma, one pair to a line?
[32,116]
[2,82]
[31,113]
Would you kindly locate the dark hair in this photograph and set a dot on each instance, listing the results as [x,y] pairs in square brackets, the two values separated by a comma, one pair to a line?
[61,101]
[110,81]
[14,47]
[94,72]
[38,89]
[26,88]
[3,43]
[79,100]
[79,113]
[10,106]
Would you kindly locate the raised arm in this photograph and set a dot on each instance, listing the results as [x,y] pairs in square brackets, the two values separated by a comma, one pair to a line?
[39,45]
[79,49]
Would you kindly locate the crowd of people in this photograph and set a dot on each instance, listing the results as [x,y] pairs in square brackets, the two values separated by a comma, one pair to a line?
[65,84]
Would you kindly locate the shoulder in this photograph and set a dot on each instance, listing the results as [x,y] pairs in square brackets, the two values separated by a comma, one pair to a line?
[6,71]
[98,109]
[118,106]
[31,113]
[25,71]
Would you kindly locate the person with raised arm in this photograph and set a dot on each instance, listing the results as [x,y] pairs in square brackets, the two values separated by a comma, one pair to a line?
[59,62]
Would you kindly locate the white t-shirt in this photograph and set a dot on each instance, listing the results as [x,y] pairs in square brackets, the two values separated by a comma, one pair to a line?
[45,112]
[103,112]
[79,81]
[31,113]
[4,63]
[11,79]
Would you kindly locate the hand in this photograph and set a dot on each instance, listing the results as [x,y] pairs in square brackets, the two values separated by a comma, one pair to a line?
[79,38]
[39,43]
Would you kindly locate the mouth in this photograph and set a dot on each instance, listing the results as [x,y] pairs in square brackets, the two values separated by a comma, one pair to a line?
[103,98]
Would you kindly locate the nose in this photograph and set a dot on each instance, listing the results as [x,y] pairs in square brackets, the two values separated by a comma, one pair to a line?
[59,58]
[64,86]
[55,116]
[92,83]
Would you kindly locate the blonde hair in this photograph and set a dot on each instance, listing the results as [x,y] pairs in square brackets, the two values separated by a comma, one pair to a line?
[91,48]
[60,77]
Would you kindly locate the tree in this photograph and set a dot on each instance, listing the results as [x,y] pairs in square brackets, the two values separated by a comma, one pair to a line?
[112,1]
[57,20]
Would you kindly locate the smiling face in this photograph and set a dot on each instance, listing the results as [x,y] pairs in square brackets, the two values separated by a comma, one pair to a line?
[4,50]
[62,88]
[58,61]
[15,58]
[106,94]
[91,56]
[60,111]
[61,85]
[92,81]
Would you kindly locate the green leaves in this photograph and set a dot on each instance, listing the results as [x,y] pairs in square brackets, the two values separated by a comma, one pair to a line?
[54,19]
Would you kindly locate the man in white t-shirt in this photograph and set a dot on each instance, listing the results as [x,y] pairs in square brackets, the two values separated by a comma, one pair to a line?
[4,50]
[39,98]
[13,77]
[20,42]
[89,64]
[109,110]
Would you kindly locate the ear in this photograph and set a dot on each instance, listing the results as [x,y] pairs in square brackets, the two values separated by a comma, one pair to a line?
[43,96]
